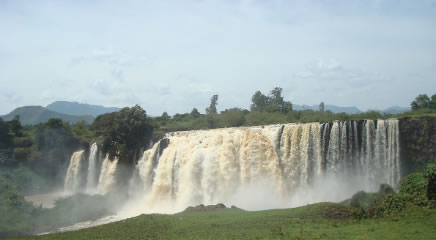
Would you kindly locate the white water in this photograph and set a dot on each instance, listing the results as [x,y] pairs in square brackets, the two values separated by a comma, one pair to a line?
[283,165]
[274,166]
[93,171]
[107,178]
[73,178]
[270,166]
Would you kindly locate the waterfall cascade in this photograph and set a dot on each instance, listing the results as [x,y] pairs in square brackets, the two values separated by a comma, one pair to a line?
[272,166]
[107,175]
[93,171]
[73,178]
[100,175]
[289,164]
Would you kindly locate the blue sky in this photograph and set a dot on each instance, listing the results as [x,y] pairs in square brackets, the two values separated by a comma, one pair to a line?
[173,55]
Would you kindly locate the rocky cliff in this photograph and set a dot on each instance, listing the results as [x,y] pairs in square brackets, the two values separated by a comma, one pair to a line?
[418,142]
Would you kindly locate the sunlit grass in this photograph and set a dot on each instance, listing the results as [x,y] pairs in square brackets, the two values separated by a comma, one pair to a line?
[319,221]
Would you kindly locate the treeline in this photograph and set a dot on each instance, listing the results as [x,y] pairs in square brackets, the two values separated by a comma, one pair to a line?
[265,109]
[423,101]
[46,148]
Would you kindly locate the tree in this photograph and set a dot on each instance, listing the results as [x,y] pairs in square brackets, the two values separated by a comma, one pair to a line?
[195,113]
[275,97]
[258,101]
[421,101]
[272,103]
[55,143]
[233,117]
[5,138]
[55,123]
[15,127]
[286,107]
[124,133]
[276,102]
[212,107]
[165,117]
[321,107]
[433,102]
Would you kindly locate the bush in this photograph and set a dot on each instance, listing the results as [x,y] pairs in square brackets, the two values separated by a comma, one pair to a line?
[415,185]
[391,204]
[17,215]
[417,189]
[420,186]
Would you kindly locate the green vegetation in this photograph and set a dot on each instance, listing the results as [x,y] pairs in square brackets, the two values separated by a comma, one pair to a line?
[20,217]
[33,159]
[409,214]
[422,101]
[415,191]
[16,214]
[318,221]
[271,109]
[123,133]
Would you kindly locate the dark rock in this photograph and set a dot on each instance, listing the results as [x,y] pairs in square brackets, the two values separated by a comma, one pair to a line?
[418,142]
[385,189]
[207,208]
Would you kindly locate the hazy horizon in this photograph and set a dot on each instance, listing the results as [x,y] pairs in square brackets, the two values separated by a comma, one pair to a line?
[173,56]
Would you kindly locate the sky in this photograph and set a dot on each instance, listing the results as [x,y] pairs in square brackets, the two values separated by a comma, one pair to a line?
[174,55]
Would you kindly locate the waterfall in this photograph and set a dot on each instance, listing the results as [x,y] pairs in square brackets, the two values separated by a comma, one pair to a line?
[93,170]
[282,165]
[285,164]
[73,177]
[107,176]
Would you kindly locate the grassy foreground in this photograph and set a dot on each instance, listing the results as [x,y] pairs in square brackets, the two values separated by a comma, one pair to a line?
[318,221]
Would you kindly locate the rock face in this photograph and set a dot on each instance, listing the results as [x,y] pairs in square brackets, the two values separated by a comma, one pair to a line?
[206,208]
[418,142]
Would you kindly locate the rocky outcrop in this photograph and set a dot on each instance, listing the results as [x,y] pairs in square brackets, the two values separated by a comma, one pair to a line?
[206,208]
[418,142]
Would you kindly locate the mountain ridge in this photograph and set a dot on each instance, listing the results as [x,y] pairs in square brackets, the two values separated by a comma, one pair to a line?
[31,115]
[80,109]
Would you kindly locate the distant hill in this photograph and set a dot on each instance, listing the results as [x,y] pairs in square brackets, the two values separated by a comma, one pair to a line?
[30,115]
[332,108]
[80,109]
[396,110]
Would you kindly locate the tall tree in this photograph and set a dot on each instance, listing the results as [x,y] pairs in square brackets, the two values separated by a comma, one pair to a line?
[5,138]
[195,113]
[276,102]
[258,101]
[433,102]
[276,96]
[321,107]
[165,117]
[124,132]
[212,107]
[421,101]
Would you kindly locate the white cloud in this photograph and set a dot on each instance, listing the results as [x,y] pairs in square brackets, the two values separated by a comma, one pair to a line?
[172,56]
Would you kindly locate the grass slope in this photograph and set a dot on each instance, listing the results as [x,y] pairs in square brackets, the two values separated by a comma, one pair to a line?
[318,221]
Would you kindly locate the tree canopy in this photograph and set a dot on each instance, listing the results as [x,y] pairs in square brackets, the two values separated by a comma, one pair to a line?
[274,102]
[123,133]
[212,107]
[422,101]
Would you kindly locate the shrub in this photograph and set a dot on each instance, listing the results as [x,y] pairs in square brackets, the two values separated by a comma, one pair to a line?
[391,204]
[420,186]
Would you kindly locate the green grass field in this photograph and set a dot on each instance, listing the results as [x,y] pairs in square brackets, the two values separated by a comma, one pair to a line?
[318,221]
